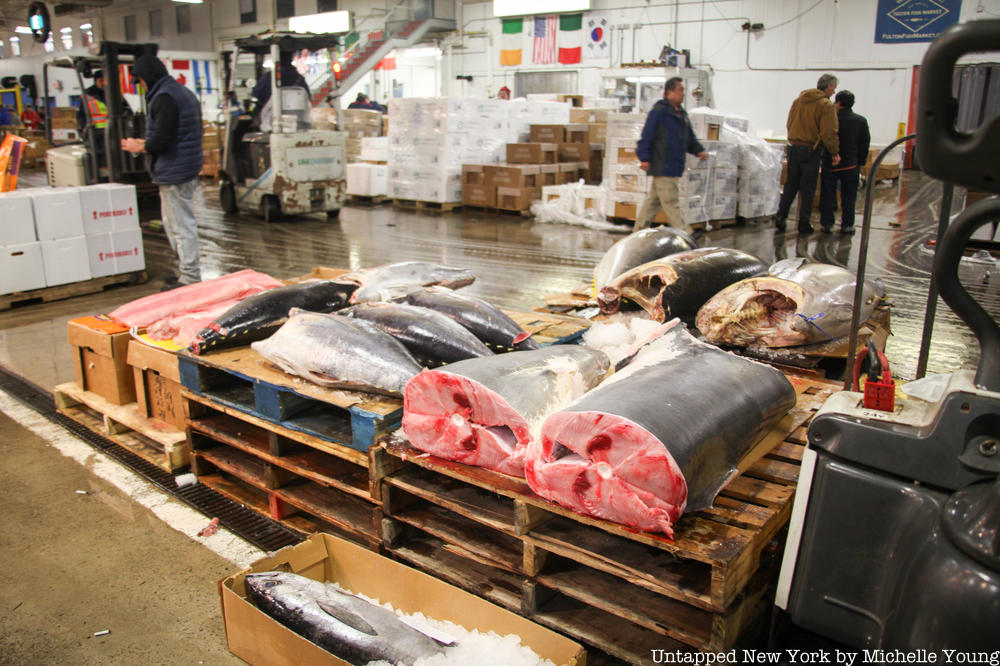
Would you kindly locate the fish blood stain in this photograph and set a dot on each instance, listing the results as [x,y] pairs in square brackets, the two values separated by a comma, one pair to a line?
[469,443]
[461,400]
[598,443]
[581,484]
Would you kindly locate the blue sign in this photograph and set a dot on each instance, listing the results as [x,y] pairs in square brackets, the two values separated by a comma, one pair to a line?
[901,21]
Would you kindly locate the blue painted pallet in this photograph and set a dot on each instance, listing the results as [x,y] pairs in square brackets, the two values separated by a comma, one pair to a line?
[242,380]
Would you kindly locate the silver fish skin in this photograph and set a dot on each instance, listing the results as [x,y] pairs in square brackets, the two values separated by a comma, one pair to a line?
[388,281]
[342,624]
[485,320]
[429,335]
[639,248]
[797,303]
[339,352]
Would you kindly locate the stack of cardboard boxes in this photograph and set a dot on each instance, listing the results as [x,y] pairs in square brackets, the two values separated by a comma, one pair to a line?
[211,148]
[625,182]
[54,236]
[64,125]
[360,123]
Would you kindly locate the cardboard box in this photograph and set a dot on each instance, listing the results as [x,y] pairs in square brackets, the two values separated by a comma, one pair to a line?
[627,156]
[101,255]
[582,115]
[532,153]
[473,174]
[517,198]
[569,172]
[127,246]
[101,358]
[17,219]
[513,175]
[258,639]
[630,211]
[62,134]
[157,383]
[65,260]
[549,175]
[21,268]
[706,125]
[578,133]
[548,133]
[57,212]
[574,100]
[598,132]
[479,195]
[574,152]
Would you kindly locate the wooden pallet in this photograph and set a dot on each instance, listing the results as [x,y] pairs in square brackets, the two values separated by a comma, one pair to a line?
[59,292]
[550,328]
[427,206]
[367,201]
[242,380]
[701,590]
[721,224]
[493,210]
[151,439]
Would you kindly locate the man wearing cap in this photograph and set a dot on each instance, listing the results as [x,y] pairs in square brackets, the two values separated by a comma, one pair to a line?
[503,93]
[173,157]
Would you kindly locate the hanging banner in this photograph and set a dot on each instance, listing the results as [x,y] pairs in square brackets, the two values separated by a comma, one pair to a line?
[903,21]
[595,43]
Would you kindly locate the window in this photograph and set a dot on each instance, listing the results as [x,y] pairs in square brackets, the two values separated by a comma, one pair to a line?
[183,19]
[284,8]
[131,32]
[326,6]
[248,11]
[66,35]
[15,46]
[49,44]
[156,23]
[3,54]
[88,34]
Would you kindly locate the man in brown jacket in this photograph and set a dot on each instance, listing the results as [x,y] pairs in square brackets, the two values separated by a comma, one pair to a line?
[812,124]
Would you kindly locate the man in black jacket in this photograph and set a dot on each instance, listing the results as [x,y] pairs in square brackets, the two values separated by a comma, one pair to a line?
[174,158]
[854,141]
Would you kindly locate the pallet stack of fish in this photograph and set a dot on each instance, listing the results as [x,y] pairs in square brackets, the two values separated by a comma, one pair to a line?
[430,139]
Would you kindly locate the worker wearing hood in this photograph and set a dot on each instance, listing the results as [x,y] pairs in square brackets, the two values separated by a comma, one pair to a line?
[173,157]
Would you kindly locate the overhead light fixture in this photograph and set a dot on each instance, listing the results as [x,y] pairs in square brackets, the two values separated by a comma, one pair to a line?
[86,26]
[526,7]
[190,2]
[15,39]
[321,23]
[65,30]
[24,30]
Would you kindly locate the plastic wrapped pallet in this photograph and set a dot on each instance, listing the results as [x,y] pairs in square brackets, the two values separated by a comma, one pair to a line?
[375,149]
[759,176]
[368,180]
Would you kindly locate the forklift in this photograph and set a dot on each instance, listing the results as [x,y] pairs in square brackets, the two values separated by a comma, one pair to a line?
[287,168]
[97,157]
[894,539]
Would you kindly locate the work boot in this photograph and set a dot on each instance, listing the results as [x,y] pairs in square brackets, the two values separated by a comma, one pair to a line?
[847,231]
[827,228]
[805,228]
[779,223]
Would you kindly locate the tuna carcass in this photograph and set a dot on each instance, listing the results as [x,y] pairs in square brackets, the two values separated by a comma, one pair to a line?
[797,303]
[486,321]
[339,352]
[431,337]
[679,284]
[347,626]
[388,281]
[258,316]
[662,434]
[639,248]
[485,411]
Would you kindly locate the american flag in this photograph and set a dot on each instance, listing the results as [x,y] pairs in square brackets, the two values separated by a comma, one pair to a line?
[544,51]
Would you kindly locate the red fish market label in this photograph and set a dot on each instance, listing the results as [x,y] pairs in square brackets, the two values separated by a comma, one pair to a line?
[121,212]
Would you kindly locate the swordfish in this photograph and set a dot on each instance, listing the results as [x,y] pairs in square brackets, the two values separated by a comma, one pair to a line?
[663,434]
[484,411]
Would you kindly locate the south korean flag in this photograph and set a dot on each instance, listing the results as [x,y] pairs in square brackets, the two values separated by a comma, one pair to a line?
[596,41]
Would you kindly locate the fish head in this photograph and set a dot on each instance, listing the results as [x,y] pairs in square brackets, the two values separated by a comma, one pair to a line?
[755,311]
[266,584]
[643,285]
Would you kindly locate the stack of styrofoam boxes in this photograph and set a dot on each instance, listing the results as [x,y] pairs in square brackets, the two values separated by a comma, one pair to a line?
[523,114]
[375,149]
[111,224]
[371,177]
[693,188]
[431,138]
[724,159]
[20,252]
[359,123]
[759,179]
[625,182]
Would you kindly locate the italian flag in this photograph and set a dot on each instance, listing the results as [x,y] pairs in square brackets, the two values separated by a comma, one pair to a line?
[570,38]
[511,41]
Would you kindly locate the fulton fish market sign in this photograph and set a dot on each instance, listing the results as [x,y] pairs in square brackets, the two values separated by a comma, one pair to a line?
[914,20]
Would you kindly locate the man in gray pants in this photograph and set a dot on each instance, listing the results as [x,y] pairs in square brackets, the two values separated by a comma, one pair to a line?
[174,158]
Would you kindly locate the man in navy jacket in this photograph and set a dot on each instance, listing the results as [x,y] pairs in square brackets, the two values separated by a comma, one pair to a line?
[854,141]
[666,139]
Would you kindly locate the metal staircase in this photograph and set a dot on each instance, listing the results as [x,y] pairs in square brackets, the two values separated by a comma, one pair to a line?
[408,23]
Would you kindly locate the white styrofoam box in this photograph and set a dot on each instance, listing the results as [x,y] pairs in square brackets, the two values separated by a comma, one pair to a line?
[124,206]
[701,119]
[724,181]
[369,180]
[726,155]
[21,268]
[375,148]
[57,212]
[737,122]
[723,207]
[403,190]
[95,204]
[17,219]
[694,183]
[101,255]
[65,260]
[693,209]
[129,254]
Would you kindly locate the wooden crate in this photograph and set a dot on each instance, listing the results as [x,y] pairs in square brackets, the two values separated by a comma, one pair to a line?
[155,441]
[242,380]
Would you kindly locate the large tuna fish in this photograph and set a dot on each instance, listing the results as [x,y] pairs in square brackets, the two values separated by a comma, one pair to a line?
[797,303]
[486,321]
[342,624]
[258,316]
[336,351]
[485,411]
[679,284]
[639,248]
[388,281]
[431,337]
[662,434]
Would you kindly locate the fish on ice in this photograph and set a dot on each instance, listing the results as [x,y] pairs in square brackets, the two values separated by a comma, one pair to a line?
[388,281]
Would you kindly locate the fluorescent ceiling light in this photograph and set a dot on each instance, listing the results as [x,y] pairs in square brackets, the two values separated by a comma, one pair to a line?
[15,39]
[321,23]
[525,7]
[65,30]
[86,26]
[190,2]
[23,30]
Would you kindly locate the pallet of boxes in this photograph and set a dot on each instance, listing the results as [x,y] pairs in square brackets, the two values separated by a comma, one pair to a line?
[61,242]
[64,124]
[211,149]
[368,179]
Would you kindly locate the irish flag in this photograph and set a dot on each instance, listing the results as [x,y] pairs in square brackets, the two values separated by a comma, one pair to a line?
[570,38]
[511,41]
